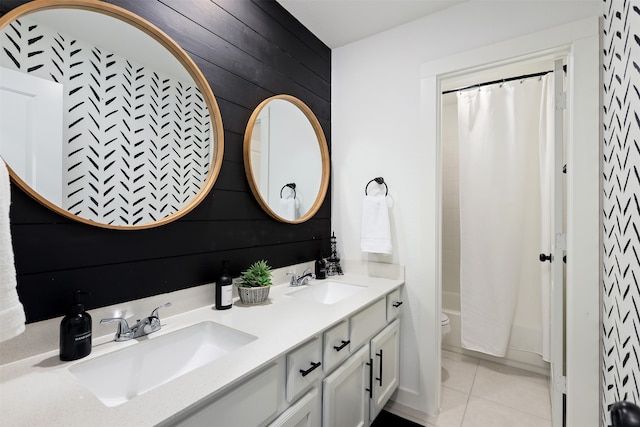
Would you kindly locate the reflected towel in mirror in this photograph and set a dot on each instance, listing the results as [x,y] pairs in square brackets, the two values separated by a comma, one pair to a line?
[288,208]
[12,318]
[376,230]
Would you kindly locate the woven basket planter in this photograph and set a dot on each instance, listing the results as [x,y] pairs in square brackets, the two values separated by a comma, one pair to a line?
[251,296]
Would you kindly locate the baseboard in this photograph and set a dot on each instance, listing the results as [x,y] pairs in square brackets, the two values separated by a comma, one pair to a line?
[407,413]
[520,364]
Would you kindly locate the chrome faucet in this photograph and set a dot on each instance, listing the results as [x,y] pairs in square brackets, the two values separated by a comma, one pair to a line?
[141,328]
[302,280]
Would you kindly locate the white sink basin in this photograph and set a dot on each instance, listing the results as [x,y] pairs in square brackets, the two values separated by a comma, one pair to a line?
[124,374]
[327,292]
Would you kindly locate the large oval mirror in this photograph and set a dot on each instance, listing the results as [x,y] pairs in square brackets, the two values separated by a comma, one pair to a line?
[286,159]
[104,118]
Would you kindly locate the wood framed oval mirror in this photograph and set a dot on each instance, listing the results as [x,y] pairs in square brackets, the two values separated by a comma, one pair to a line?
[104,118]
[286,159]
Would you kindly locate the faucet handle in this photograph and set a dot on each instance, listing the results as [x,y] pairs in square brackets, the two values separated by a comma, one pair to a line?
[122,323]
[154,313]
[123,332]
[294,278]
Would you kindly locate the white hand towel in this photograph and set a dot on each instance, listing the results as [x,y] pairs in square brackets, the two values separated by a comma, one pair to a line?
[12,316]
[376,231]
[288,208]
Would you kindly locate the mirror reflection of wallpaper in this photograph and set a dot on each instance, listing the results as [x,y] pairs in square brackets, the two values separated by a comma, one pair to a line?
[137,142]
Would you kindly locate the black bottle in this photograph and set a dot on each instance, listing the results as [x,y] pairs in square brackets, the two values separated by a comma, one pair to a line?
[75,332]
[321,267]
[224,289]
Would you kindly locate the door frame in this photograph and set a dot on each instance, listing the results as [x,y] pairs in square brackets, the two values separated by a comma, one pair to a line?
[580,41]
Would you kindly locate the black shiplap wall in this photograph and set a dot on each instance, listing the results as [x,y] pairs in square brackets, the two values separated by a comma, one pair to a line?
[248,51]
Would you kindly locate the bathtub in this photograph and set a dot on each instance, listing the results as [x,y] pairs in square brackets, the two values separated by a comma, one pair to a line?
[453,341]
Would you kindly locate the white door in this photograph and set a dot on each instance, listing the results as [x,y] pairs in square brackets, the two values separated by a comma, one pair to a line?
[31,110]
[557,384]
[385,353]
[346,392]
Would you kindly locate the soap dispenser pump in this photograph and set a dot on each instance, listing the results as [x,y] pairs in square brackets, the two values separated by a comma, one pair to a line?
[75,331]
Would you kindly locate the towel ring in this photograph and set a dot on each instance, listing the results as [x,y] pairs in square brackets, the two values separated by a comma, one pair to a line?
[380,181]
[292,186]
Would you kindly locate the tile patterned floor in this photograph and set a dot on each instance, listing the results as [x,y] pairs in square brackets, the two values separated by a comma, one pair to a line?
[476,393]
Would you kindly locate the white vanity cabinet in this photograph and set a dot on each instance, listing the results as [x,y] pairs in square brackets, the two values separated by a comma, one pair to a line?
[355,393]
[341,377]
[254,402]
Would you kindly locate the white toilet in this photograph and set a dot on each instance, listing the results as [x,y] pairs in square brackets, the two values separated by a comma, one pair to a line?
[446,326]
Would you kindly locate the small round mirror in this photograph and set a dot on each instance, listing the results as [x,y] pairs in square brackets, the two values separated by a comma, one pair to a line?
[286,159]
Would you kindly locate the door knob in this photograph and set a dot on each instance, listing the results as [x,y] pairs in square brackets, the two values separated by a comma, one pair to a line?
[544,258]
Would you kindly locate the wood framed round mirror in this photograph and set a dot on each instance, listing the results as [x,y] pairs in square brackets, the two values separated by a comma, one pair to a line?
[105,119]
[286,159]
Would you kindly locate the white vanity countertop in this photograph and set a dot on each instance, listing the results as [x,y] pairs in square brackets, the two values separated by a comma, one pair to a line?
[40,391]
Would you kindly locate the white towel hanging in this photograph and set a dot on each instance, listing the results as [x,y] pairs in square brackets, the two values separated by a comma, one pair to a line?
[376,230]
[288,208]
[12,317]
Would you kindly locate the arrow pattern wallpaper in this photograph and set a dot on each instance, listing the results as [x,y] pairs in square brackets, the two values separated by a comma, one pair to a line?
[621,205]
[125,125]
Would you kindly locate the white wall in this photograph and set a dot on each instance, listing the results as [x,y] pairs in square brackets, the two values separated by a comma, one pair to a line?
[376,131]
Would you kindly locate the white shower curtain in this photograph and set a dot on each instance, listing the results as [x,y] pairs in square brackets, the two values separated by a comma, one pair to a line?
[499,131]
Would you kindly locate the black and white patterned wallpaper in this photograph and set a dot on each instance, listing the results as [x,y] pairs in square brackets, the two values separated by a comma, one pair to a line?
[621,205]
[125,125]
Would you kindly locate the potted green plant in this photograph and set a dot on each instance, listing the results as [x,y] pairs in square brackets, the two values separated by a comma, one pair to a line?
[254,283]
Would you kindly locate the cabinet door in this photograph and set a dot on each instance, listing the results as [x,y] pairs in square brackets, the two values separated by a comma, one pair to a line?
[345,400]
[304,413]
[385,352]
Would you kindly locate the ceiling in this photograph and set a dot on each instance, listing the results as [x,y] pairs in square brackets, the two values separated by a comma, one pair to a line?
[340,22]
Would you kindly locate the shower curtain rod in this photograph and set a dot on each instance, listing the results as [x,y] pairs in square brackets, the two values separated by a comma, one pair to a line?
[508,79]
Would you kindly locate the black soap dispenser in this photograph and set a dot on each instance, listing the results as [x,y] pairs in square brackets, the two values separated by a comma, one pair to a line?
[224,288]
[75,331]
[321,267]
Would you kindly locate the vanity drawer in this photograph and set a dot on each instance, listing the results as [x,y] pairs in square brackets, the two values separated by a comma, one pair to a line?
[393,305]
[336,345]
[304,367]
[251,403]
[366,323]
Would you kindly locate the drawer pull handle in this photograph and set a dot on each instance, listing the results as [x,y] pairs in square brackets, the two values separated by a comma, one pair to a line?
[397,304]
[311,369]
[379,379]
[370,389]
[341,346]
